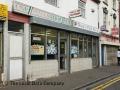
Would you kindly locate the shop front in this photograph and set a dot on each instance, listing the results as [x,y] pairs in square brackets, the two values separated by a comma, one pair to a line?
[53,45]
[58,50]
[109,48]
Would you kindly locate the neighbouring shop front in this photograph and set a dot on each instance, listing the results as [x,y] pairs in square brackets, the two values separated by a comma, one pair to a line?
[109,48]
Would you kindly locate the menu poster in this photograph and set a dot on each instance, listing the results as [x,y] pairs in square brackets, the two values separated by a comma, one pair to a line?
[37,50]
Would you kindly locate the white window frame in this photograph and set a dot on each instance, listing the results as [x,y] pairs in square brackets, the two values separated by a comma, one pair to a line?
[114,4]
[81,6]
[53,4]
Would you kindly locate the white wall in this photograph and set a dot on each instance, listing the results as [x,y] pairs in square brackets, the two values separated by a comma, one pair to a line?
[63,9]
[42,69]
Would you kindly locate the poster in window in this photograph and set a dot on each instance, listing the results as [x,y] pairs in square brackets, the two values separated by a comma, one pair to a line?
[51,47]
[37,50]
[74,51]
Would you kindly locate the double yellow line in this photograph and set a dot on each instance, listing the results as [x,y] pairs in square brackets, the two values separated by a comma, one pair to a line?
[105,85]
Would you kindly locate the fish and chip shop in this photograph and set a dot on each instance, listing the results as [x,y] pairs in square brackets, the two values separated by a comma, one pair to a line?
[38,44]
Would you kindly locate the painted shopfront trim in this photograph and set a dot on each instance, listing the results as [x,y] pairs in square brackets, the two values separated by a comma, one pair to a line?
[44,22]
[18,18]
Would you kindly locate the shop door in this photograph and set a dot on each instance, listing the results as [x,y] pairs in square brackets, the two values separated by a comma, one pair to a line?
[63,55]
[16,56]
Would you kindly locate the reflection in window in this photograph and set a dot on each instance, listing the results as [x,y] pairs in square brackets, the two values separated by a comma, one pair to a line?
[15,26]
[37,43]
[51,44]
[74,46]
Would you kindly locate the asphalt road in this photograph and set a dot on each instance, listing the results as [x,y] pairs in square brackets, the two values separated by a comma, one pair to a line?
[115,86]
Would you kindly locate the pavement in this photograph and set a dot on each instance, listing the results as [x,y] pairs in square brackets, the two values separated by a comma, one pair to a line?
[74,81]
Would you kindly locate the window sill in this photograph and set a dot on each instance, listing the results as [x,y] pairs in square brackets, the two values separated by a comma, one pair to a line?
[105,3]
[114,9]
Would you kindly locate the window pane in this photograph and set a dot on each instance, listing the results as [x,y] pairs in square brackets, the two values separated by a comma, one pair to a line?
[85,49]
[52,2]
[81,6]
[81,48]
[51,44]
[89,49]
[15,26]
[74,48]
[37,43]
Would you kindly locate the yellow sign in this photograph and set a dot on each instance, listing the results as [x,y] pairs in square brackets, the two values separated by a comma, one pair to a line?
[3,12]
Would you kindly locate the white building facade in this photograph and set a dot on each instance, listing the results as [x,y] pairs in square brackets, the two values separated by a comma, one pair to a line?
[109,28]
[47,38]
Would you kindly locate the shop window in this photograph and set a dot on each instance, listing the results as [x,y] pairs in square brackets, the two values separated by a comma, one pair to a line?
[81,6]
[37,43]
[52,2]
[105,19]
[81,46]
[85,46]
[74,46]
[51,44]
[15,26]
[89,46]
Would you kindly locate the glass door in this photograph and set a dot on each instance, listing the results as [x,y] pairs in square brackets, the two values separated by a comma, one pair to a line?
[62,54]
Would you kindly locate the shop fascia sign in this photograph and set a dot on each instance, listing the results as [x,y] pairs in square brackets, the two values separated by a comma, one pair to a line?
[85,26]
[3,12]
[74,13]
[21,8]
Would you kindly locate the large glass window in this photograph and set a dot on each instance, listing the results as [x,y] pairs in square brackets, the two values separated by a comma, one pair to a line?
[74,46]
[15,26]
[51,44]
[89,46]
[37,42]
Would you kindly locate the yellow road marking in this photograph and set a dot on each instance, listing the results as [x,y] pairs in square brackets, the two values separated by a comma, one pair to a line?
[105,85]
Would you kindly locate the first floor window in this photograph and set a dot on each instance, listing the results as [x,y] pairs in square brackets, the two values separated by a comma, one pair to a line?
[81,6]
[52,2]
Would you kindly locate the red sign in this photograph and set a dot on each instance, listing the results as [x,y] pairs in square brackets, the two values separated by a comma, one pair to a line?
[115,31]
[74,13]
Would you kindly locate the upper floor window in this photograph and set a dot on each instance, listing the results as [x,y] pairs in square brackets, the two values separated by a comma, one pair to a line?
[106,1]
[52,2]
[114,4]
[81,6]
